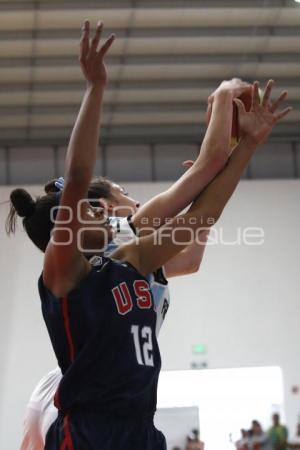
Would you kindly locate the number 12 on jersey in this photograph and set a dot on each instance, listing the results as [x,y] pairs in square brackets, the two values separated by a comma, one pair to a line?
[143,345]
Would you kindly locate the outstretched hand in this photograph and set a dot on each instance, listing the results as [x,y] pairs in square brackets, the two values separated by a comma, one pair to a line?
[92,54]
[258,123]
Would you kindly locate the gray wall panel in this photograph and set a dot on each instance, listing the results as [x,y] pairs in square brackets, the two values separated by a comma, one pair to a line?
[129,163]
[31,165]
[61,155]
[2,166]
[273,160]
[297,160]
[169,158]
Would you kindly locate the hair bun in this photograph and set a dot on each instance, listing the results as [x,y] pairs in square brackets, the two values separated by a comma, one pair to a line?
[50,187]
[22,202]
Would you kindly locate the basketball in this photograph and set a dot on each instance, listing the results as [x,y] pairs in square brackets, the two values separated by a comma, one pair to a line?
[246,98]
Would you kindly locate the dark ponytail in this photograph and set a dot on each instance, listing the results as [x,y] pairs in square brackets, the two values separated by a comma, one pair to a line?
[21,204]
[36,215]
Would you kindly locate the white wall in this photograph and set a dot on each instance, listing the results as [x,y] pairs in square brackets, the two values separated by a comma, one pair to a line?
[185,418]
[244,305]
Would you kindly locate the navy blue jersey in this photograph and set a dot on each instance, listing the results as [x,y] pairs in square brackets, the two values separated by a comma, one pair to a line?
[103,335]
[125,232]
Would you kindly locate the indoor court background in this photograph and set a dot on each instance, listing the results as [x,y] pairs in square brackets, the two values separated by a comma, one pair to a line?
[243,305]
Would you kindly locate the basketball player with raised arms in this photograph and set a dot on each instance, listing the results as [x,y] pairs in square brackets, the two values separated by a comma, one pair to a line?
[100,314]
[115,201]
[122,209]
[40,411]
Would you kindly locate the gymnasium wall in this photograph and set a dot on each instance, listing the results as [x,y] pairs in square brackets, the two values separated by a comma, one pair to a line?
[159,162]
[244,304]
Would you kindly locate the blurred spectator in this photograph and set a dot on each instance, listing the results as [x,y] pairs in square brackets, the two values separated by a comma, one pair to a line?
[193,441]
[176,448]
[260,440]
[278,434]
[242,443]
[295,441]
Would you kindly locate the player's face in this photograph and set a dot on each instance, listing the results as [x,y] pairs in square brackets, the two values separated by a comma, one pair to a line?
[123,204]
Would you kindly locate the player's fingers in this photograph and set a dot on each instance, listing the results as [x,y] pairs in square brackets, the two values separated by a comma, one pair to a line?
[85,29]
[267,93]
[107,44]
[188,163]
[255,97]
[84,42]
[96,38]
[282,113]
[277,102]
[240,106]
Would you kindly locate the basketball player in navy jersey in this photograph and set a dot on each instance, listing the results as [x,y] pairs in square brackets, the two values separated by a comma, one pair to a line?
[99,313]
[40,411]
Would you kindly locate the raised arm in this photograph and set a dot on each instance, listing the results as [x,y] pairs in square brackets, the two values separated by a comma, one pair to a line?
[154,250]
[189,260]
[214,153]
[64,265]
